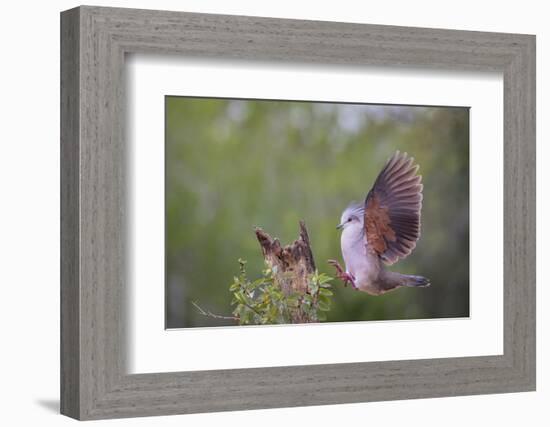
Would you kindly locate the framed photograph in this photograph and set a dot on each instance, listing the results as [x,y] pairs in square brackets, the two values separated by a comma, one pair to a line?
[263,213]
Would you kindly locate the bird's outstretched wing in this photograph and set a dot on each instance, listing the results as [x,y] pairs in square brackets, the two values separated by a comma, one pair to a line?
[392,209]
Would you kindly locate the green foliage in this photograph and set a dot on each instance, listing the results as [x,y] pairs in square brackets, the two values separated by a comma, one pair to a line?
[262,302]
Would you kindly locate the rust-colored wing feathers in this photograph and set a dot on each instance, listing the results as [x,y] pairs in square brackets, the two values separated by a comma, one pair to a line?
[392,209]
[377,225]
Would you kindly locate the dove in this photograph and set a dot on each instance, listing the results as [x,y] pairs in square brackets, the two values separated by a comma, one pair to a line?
[383,230]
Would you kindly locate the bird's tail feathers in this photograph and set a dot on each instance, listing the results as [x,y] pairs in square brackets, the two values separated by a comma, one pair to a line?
[415,281]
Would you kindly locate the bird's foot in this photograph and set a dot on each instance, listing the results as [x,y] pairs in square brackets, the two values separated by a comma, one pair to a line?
[343,275]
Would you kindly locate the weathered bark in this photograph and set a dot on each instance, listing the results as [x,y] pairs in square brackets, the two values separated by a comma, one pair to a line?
[292,265]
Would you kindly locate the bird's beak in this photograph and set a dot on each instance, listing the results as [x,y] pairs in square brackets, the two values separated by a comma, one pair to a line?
[340,226]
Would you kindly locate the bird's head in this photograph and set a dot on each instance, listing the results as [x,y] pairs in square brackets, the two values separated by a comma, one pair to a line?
[352,216]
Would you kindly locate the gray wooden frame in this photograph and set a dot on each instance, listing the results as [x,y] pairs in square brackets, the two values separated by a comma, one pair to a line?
[94,41]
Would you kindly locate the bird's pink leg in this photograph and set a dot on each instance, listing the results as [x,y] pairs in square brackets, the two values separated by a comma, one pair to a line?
[343,275]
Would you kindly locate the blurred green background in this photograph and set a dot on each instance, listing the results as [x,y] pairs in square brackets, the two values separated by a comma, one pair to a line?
[235,164]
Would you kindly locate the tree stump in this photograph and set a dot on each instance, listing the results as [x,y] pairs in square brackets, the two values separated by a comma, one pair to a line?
[292,265]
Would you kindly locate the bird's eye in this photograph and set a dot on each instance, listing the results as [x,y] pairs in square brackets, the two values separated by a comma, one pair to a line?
[349,219]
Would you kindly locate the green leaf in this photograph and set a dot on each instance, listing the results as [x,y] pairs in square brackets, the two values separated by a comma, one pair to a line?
[325,299]
[292,300]
[323,279]
[314,287]
[325,292]
[323,306]
[240,298]
[273,312]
